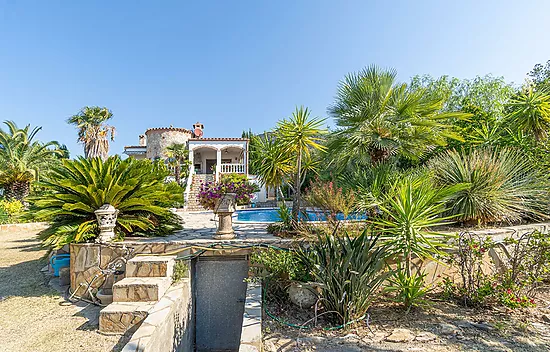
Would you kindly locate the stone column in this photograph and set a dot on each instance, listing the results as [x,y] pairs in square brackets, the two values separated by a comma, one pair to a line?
[192,161]
[218,163]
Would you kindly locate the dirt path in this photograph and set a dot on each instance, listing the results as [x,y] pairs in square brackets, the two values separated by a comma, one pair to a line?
[32,317]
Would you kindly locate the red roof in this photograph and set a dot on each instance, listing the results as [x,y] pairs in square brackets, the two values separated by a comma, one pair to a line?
[179,129]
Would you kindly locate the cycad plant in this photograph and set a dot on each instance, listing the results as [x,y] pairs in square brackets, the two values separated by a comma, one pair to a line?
[77,188]
[350,271]
[23,159]
[502,185]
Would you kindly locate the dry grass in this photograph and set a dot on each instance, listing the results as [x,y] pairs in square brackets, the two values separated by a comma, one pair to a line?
[33,316]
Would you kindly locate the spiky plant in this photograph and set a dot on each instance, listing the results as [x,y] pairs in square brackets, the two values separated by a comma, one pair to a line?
[530,112]
[23,159]
[77,188]
[503,185]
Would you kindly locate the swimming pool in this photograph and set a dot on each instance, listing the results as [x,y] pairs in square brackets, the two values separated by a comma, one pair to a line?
[270,215]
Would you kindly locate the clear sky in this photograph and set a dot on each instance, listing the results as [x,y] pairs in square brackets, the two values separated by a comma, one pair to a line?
[236,65]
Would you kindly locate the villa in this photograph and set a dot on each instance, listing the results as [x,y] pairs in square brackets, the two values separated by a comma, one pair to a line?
[210,157]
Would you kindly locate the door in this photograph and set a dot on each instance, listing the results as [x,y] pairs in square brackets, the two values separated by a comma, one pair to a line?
[209,166]
[220,292]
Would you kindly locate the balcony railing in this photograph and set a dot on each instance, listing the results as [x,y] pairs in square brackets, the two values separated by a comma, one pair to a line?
[233,169]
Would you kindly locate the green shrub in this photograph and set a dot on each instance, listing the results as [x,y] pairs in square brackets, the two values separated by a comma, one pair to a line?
[10,211]
[330,198]
[410,289]
[349,270]
[502,185]
[280,264]
[78,187]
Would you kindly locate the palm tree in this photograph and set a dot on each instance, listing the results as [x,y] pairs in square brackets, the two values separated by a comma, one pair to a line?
[270,162]
[93,132]
[530,112]
[178,153]
[378,117]
[299,135]
[22,159]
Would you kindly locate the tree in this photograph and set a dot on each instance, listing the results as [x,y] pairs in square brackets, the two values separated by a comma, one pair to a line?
[299,135]
[530,112]
[23,159]
[270,162]
[178,154]
[540,75]
[93,131]
[377,117]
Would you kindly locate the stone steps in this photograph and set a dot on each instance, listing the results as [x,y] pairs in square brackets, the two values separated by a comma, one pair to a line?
[147,280]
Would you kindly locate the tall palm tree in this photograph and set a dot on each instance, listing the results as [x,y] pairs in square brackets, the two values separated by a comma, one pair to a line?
[530,112]
[377,117]
[270,162]
[179,154]
[22,159]
[299,135]
[93,131]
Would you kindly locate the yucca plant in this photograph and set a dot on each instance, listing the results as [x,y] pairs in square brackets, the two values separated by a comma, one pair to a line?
[78,187]
[350,271]
[503,186]
[410,289]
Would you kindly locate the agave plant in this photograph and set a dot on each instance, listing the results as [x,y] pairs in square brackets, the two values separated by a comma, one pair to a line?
[79,187]
[502,185]
[349,270]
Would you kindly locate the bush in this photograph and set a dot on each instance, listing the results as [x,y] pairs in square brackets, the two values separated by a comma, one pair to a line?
[501,185]
[350,272]
[209,192]
[280,264]
[78,187]
[330,199]
[10,211]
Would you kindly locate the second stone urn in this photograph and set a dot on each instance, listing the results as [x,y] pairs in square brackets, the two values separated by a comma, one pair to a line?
[224,208]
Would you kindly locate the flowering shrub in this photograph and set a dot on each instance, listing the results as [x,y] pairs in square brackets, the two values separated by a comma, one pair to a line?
[209,192]
[331,199]
[10,211]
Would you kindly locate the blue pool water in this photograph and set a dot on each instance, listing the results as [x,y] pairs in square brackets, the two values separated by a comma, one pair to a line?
[270,215]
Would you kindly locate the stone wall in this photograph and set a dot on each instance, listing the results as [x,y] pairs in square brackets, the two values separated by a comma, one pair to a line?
[159,139]
[169,326]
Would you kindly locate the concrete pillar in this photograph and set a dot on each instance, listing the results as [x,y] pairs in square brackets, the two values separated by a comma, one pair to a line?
[218,163]
[192,160]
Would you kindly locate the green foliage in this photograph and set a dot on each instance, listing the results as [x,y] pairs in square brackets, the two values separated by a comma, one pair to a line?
[530,112]
[349,270]
[78,187]
[280,264]
[500,185]
[178,154]
[330,199]
[540,74]
[286,223]
[410,289]
[377,117]
[10,211]
[181,271]
[23,159]
[93,131]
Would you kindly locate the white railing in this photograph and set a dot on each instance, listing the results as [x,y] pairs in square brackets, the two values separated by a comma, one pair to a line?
[233,169]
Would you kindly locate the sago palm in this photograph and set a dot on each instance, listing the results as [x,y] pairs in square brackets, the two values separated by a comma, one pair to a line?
[178,153]
[299,135]
[77,188]
[23,159]
[377,117]
[93,131]
[530,112]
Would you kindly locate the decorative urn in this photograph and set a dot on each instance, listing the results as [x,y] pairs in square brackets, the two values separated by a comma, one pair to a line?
[106,218]
[224,208]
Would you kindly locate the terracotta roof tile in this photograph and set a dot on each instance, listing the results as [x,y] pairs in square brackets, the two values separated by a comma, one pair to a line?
[169,129]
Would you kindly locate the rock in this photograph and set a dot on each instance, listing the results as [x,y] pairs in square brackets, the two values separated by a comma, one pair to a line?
[349,338]
[483,326]
[546,318]
[425,337]
[463,324]
[400,335]
[448,329]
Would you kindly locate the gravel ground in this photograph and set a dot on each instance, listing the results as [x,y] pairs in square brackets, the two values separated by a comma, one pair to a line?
[34,316]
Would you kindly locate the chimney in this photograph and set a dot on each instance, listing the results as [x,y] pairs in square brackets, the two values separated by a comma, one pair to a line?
[198,130]
[142,140]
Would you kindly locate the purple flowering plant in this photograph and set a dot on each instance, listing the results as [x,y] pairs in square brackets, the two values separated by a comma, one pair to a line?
[209,192]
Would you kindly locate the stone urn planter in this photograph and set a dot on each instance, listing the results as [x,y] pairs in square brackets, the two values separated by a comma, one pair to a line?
[224,208]
[106,218]
[304,294]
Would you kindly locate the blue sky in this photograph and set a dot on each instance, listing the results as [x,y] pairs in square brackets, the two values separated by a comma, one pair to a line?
[235,65]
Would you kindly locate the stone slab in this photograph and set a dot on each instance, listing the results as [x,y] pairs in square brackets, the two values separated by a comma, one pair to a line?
[137,289]
[150,266]
[118,318]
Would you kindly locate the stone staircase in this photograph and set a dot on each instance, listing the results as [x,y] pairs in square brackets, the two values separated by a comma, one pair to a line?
[147,279]
[192,202]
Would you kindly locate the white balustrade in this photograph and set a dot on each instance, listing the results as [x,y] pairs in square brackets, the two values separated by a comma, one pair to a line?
[232,169]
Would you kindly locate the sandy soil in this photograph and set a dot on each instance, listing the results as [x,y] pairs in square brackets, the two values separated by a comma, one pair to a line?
[34,316]
[442,326]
